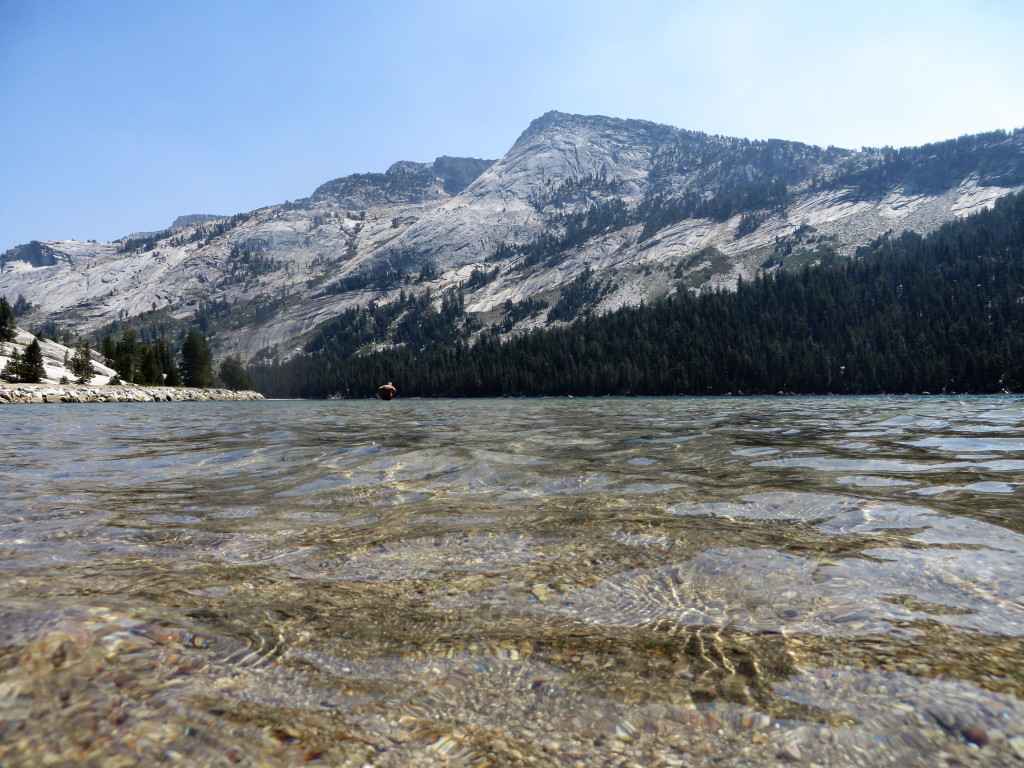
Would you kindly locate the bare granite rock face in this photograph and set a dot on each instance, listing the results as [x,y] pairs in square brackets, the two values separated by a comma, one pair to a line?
[459,172]
[404,182]
[699,211]
[192,218]
[34,254]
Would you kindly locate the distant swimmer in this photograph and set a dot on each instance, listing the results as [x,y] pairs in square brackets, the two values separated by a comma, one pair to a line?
[386,391]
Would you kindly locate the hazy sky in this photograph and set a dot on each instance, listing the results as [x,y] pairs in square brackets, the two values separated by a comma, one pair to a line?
[117,116]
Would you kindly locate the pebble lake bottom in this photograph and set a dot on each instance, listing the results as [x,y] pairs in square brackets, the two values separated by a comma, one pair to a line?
[560,582]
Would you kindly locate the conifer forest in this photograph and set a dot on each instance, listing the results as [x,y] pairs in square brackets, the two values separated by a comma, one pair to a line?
[942,313]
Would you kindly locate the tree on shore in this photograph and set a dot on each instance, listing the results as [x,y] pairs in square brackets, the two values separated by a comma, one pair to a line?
[108,348]
[32,368]
[172,376]
[141,363]
[196,361]
[12,369]
[81,363]
[234,375]
[149,367]
[126,356]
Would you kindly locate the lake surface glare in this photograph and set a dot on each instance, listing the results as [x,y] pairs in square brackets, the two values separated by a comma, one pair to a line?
[562,582]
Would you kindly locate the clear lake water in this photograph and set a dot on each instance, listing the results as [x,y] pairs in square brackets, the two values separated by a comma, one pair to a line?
[556,582]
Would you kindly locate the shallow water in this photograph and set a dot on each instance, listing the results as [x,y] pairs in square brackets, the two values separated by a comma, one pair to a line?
[738,581]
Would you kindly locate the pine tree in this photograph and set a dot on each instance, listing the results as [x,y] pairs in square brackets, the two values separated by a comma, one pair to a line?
[32,368]
[7,323]
[81,363]
[149,367]
[126,356]
[196,361]
[171,374]
[234,375]
[12,369]
[22,305]
[108,348]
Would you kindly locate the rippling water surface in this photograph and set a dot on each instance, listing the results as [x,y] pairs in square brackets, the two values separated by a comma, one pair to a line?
[663,582]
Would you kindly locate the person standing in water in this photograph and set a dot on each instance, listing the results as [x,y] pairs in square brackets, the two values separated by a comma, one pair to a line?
[386,391]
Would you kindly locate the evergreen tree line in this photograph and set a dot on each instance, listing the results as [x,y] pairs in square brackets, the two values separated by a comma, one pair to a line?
[135,362]
[996,157]
[156,364]
[942,313]
[657,212]
[140,363]
[730,162]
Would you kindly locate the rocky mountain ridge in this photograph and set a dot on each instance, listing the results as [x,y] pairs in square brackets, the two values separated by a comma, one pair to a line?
[403,183]
[624,210]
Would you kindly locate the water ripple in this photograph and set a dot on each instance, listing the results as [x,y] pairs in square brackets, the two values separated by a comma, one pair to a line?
[665,581]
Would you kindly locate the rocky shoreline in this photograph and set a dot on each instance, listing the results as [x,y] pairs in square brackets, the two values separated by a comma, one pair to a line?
[123,393]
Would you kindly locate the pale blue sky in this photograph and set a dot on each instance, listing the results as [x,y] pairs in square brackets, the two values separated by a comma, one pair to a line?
[117,116]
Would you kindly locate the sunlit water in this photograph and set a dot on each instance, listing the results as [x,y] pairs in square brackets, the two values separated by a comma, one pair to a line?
[735,581]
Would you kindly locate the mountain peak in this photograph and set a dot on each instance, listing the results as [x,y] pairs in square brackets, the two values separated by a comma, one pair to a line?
[554,118]
[589,127]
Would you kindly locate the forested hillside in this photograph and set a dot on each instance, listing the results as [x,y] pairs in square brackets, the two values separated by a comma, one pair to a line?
[942,313]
